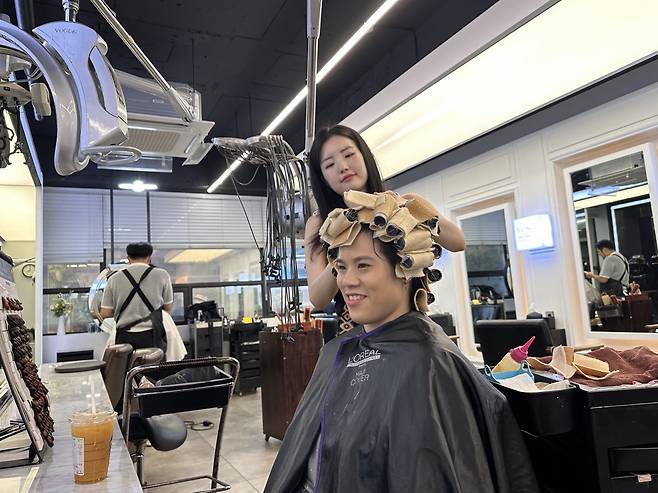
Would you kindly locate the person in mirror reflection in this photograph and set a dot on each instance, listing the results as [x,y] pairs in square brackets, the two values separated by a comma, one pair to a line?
[614,275]
[393,405]
[340,160]
[136,297]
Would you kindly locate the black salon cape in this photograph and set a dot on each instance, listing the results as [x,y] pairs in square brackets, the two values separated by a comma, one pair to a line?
[400,409]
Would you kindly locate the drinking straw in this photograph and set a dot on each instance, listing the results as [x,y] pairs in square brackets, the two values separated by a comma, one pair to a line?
[93,397]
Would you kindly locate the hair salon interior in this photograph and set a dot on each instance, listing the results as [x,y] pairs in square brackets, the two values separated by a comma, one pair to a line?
[530,124]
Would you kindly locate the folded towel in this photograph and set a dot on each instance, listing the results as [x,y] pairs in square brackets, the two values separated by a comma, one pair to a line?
[636,365]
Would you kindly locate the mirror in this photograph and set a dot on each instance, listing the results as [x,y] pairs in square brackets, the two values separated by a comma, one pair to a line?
[488,267]
[612,205]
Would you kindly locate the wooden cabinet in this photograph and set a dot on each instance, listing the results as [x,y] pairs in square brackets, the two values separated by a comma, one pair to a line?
[286,368]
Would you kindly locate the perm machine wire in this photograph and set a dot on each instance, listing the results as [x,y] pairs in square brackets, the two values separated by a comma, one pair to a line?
[289,197]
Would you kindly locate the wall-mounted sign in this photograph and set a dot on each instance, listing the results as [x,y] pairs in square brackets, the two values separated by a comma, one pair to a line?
[533,232]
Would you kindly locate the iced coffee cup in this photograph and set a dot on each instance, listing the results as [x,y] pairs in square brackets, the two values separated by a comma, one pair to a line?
[92,439]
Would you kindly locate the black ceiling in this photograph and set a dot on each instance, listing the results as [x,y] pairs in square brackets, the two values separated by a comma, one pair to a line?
[247,58]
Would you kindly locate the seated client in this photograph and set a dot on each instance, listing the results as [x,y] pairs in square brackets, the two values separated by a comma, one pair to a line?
[393,405]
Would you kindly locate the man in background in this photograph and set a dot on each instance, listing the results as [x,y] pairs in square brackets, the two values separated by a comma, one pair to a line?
[614,274]
[135,297]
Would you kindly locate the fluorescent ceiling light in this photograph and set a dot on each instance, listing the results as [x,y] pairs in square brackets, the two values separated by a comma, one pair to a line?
[564,49]
[138,186]
[196,255]
[322,73]
[628,193]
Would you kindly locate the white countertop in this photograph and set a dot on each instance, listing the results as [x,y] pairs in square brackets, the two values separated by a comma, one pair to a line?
[69,392]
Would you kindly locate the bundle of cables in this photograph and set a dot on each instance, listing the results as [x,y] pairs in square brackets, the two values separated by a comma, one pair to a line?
[287,207]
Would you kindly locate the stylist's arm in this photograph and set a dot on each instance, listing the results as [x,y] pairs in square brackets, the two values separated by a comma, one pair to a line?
[322,285]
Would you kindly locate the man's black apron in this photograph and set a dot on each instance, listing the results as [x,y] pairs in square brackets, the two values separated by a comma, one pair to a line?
[615,286]
[155,337]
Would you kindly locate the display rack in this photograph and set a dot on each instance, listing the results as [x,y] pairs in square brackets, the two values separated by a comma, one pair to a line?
[21,440]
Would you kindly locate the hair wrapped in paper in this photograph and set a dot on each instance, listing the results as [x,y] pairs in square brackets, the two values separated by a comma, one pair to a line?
[411,226]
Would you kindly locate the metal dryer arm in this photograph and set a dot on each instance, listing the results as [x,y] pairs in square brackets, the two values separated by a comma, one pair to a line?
[66,157]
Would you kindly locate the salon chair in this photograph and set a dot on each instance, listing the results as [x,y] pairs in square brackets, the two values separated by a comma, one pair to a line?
[154,417]
[116,358]
[165,433]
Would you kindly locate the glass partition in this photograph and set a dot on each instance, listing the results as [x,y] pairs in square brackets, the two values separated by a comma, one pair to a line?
[237,301]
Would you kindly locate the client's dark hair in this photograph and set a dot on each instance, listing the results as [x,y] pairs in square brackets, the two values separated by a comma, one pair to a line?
[605,244]
[139,250]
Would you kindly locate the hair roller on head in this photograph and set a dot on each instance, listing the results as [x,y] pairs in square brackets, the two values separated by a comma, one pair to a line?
[351,215]
[433,275]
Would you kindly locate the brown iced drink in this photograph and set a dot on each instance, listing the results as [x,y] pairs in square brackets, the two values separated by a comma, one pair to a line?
[92,439]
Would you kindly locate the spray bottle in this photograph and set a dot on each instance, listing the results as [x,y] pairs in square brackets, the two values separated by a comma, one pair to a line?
[513,359]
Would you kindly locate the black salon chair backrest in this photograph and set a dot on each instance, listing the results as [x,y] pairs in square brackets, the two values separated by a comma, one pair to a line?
[497,337]
[116,359]
[145,356]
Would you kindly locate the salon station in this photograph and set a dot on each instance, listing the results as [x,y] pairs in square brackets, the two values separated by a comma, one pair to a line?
[183,188]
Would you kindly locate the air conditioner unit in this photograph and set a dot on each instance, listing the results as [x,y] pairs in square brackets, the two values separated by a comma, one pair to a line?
[156,128]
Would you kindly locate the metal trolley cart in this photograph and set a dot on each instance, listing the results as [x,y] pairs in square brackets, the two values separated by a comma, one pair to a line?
[191,395]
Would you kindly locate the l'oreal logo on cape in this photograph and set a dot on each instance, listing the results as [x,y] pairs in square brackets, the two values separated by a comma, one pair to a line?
[363,357]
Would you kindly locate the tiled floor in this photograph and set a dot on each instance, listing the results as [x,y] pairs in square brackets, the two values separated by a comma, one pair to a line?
[246,458]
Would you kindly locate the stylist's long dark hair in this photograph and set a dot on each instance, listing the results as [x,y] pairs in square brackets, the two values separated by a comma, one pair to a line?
[327,199]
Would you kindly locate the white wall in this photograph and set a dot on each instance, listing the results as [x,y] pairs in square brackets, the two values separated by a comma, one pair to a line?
[52,344]
[529,173]
[18,203]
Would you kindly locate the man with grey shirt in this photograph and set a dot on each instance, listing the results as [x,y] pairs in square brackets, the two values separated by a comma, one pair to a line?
[134,296]
[614,270]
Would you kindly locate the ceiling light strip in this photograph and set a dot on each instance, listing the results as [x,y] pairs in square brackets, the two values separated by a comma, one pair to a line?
[324,71]
[567,48]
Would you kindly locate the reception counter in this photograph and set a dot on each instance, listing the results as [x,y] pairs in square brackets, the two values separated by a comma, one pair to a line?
[69,392]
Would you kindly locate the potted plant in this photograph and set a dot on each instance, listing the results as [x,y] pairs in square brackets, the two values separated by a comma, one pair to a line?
[61,308]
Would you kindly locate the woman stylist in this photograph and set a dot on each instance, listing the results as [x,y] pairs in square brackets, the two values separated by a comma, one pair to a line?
[340,160]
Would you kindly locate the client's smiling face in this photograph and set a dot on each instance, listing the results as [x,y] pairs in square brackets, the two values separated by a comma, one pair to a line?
[367,280]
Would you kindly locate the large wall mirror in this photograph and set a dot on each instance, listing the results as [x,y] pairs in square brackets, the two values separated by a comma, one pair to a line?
[613,210]
[488,266]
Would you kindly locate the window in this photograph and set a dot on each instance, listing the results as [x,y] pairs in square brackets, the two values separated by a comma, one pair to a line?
[300,261]
[237,301]
[202,241]
[276,293]
[79,320]
[178,312]
[209,265]
[71,275]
